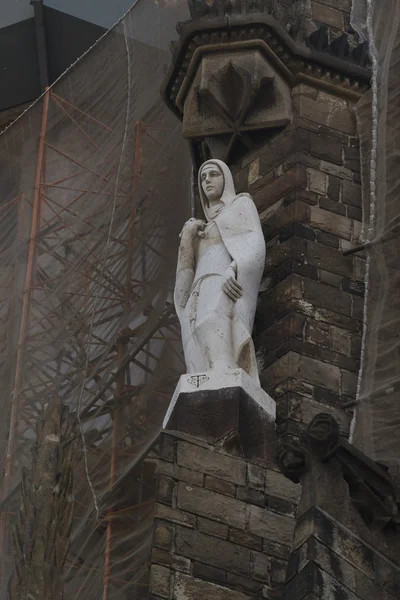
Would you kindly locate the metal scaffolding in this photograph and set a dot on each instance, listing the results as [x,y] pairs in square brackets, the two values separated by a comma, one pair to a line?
[87,251]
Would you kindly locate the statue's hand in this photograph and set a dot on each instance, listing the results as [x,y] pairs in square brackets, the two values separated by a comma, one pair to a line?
[192,228]
[231,286]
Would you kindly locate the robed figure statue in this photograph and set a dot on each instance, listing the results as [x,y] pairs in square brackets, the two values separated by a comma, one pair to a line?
[220,265]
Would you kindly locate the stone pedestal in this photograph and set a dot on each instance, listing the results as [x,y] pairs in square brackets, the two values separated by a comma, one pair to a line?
[224,407]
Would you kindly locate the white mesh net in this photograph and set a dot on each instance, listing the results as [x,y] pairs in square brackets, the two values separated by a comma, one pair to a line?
[94,186]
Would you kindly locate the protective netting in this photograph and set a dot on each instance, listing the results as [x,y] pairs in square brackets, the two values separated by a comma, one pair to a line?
[94,184]
[377,423]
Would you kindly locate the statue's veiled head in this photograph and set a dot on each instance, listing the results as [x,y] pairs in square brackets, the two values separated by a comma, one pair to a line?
[216,187]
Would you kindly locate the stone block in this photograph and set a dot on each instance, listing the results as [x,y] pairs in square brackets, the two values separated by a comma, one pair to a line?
[354,213]
[316,333]
[220,486]
[162,534]
[333,206]
[212,528]
[331,223]
[212,463]
[281,506]
[336,170]
[212,505]
[276,549]
[244,538]
[325,147]
[276,484]
[243,584]
[351,158]
[329,259]
[165,447]
[334,188]
[261,567]
[305,369]
[334,318]
[330,279]
[255,476]
[165,486]
[250,496]
[160,581]
[254,172]
[270,525]
[174,515]
[192,477]
[295,177]
[213,551]
[327,238]
[317,181]
[324,296]
[208,573]
[349,383]
[170,560]
[190,588]
[340,340]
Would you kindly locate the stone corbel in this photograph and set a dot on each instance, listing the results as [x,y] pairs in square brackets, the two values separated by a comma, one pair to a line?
[370,485]
[232,74]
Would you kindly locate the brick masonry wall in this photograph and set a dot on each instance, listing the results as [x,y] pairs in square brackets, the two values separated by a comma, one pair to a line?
[306,184]
[223,526]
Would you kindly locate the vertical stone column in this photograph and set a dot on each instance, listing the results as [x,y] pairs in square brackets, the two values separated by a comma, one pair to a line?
[223,525]
[306,185]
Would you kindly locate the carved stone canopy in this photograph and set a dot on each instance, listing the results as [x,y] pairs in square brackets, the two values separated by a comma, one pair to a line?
[232,74]
[232,96]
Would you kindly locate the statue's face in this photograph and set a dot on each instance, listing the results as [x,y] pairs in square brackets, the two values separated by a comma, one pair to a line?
[212,182]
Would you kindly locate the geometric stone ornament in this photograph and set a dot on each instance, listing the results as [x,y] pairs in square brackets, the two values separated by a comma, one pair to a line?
[224,407]
[233,95]
[242,49]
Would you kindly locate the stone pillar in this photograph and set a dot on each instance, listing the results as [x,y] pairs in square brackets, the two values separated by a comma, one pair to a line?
[306,185]
[223,525]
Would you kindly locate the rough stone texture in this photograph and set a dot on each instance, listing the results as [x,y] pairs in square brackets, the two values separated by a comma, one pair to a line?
[309,318]
[230,533]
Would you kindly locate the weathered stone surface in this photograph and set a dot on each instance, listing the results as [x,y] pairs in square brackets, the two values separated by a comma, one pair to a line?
[250,496]
[329,259]
[304,368]
[243,538]
[170,560]
[220,486]
[276,484]
[331,223]
[213,551]
[270,525]
[165,487]
[295,177]
[212,527]
[255,476]
[190,588]
[262,568]
[162,534]
[340,340]
[210,504]
[317,181]
[174,515]
[209,573]
[160,581]
[243,584]
[212,463]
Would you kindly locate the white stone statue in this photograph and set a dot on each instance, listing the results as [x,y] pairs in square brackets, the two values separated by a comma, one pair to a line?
[220,264]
